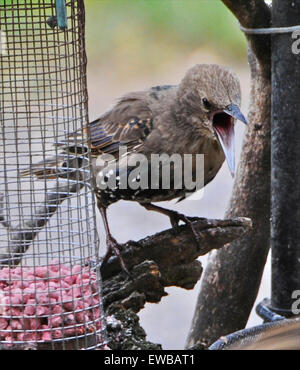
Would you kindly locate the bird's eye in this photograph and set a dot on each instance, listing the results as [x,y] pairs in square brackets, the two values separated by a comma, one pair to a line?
[206,103]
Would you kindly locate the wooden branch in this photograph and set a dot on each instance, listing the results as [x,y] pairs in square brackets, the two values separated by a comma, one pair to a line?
[21,236]
[175,250]
[159,261]
[254,14]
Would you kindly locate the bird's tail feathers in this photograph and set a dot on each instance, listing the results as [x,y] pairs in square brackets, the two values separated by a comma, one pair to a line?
[62,165]
[71,158]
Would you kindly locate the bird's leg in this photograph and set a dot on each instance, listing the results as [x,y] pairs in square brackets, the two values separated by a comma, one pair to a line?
[113,247]
[174,217]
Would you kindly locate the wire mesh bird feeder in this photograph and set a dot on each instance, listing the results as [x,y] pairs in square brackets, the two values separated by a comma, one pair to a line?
[50,284]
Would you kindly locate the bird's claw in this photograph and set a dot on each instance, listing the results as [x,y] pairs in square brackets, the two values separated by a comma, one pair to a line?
[176,217]
[113,247]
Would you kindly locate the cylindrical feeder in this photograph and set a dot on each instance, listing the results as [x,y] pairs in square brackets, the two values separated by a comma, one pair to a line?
[50,283]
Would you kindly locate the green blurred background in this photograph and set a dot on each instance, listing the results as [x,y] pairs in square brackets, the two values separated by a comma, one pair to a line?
[151,33]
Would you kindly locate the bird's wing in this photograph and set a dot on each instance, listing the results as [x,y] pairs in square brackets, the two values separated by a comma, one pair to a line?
[128,123]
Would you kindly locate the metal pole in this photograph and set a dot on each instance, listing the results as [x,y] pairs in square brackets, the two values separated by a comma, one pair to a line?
[285,158]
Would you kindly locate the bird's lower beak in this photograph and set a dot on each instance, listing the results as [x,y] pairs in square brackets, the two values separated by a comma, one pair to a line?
[225,134]
[223,123]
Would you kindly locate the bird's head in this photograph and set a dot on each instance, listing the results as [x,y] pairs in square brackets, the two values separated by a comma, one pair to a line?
[211,96]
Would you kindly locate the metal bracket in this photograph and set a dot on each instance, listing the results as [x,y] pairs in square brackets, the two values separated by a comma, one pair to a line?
[60,19]
[269,313]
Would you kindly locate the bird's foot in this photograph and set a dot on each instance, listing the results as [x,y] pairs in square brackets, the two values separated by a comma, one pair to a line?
[115,248]
[176,217]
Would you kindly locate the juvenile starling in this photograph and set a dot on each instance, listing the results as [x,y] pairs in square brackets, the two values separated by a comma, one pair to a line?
[195,117]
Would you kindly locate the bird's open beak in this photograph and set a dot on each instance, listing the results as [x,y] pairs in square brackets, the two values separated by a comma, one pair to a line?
[234,111]
[223,123]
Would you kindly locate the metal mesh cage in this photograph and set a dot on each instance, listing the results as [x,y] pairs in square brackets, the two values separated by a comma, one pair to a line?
[50,284]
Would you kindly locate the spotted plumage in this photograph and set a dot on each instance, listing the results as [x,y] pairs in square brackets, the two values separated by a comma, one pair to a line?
[195,117]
